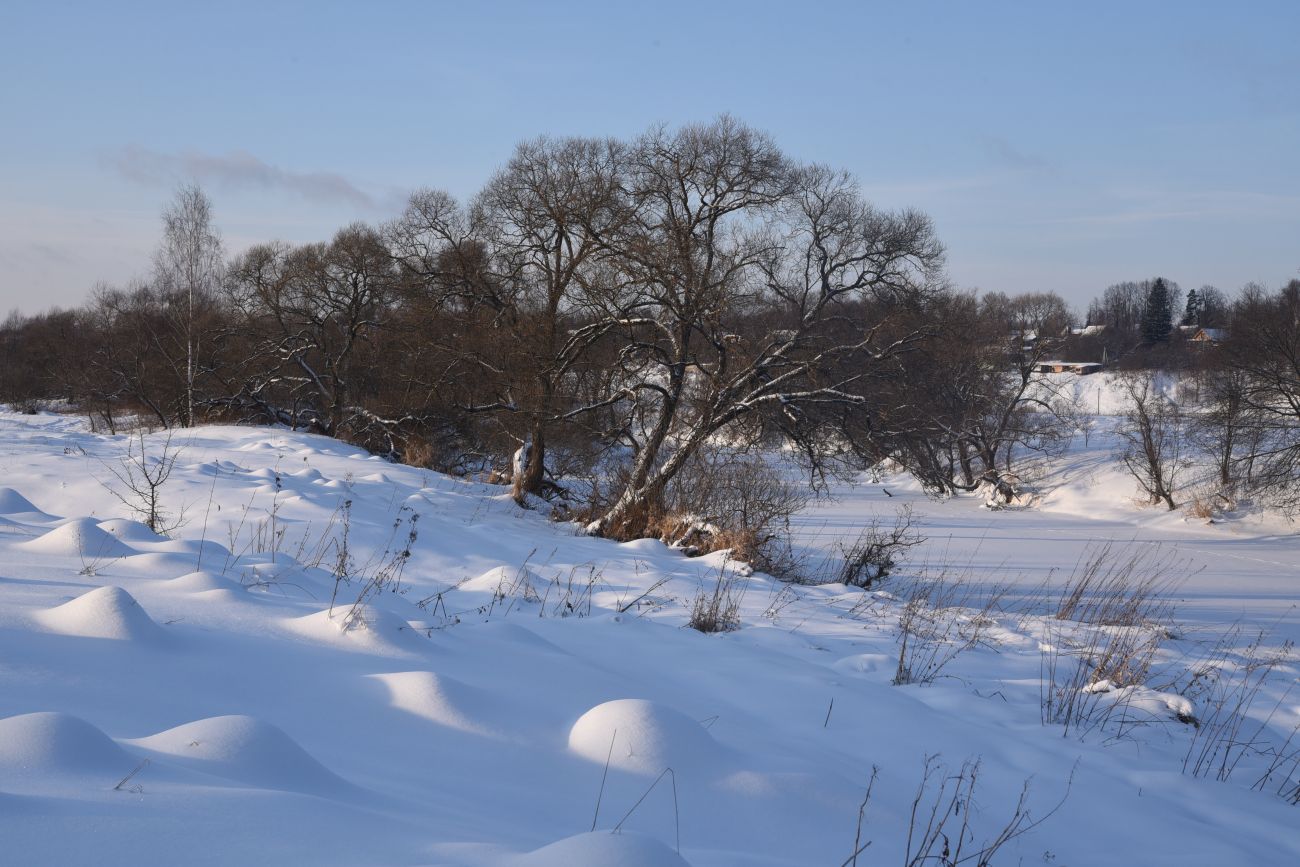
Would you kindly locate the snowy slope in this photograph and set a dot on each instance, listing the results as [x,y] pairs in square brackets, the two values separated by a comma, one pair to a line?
[194,698]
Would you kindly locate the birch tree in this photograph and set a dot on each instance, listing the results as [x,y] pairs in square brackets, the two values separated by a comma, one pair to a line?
[188,263]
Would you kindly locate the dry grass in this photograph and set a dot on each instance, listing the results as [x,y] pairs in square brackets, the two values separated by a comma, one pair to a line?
[943,615]
[1085,673]
[1200,505]
[1227,682]
[1107,624]
[717,608]
[1121,587]
[945,815]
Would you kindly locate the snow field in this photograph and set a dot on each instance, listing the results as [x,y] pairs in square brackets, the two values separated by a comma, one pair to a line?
[222,697]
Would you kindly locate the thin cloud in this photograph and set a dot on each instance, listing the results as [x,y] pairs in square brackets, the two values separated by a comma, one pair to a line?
[1150,206]
[1007,154]
[237,170]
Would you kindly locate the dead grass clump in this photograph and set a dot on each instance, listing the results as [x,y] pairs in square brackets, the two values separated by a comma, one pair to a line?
[1125,587]
[717,608]
[1199,505]
[1227,682]
[1088,676]
[1103,632]
[945,815]
[943,616]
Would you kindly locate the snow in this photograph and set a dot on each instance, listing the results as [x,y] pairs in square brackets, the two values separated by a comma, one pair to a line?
[243,749]
[80,538]
[642,737]
[105,612]
[219,696]
[38,746]
[626,850]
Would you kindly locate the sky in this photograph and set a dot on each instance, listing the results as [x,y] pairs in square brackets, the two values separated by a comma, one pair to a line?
[1058,147]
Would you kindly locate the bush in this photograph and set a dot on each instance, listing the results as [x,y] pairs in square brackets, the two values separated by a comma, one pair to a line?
[722,501]
[878,550]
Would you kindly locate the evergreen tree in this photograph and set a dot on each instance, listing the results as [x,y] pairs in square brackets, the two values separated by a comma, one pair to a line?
[1192,312]
[1157,318]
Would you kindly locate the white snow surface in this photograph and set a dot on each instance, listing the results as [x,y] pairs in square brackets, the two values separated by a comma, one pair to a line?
[218,697]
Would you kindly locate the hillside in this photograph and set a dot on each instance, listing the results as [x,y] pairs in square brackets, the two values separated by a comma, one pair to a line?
[333,659]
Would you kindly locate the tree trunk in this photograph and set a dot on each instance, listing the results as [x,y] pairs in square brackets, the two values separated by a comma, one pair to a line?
[967,471]
[528,478]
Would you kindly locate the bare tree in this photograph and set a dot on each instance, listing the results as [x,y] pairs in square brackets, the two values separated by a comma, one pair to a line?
[1153,433]
[959,410]
[1263,348]
[1018,404]
[520,263]
[141,477]
[314,312]
[1222,431]
[189,261]
[738,273]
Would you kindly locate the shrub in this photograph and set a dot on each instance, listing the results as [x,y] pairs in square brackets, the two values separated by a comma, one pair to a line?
[878,550]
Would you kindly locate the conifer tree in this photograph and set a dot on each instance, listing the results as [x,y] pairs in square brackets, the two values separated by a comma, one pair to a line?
[1192,312]
[1157,318]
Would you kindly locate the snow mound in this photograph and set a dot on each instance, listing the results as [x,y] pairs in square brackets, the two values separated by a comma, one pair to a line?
[80,538]
[1143,699]
[105,612]
[439,699]
[866,663]
[225,596]
[131,531]
[508,581]
[201,581]
[501,631]
[14,503]
[38,744]
[158,564]
[646,737]
[247,750]
[601,849]
[211,551]
[367,627]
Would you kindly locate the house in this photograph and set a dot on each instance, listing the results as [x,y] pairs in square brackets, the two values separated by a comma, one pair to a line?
[1080,368]
[1209,335]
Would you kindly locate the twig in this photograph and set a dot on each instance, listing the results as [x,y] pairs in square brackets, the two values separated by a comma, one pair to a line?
[601,793]
[144,763]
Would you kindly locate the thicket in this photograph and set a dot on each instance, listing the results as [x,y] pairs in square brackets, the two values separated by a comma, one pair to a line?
[628,327]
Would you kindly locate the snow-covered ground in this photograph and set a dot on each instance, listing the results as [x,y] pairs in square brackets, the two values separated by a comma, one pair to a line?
[195,698]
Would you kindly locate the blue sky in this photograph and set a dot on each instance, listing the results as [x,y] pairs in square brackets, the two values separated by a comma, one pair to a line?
[1057,146]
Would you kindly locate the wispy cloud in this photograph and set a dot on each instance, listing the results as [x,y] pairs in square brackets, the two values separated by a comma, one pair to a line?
[1152,206]
[1012,157]
[236,170]
[909,191]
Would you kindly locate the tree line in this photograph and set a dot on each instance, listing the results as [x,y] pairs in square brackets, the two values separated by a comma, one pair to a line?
[632,320]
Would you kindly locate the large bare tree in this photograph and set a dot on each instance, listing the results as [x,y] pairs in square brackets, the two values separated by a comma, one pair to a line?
[737,272]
